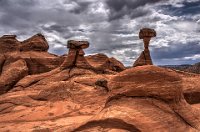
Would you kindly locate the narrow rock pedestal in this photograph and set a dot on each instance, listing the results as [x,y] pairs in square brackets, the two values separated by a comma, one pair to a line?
[145,57]
[76,54]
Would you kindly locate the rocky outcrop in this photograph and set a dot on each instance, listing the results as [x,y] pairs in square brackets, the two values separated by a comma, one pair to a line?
[18,59]
[76,54]
[37,62]
[101,61]
[145,97]
[44,92]
[145,57]
[11,74]
[191,87]
[35,43]
[194,68]
[9,43]
[34,52]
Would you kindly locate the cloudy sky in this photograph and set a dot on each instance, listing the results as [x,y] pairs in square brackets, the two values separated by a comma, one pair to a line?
[111,26]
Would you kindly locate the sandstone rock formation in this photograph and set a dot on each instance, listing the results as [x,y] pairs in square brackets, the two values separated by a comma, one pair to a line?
[18,59]
[45,92]
[101,61]
[32,50]
[33,53]
[11,74]
[9,43]
[145,99]
[145,58]
[35,43]
[76,54]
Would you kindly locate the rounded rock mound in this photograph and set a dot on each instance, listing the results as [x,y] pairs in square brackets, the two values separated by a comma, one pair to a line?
[145,98]
[148,81]
[35,43]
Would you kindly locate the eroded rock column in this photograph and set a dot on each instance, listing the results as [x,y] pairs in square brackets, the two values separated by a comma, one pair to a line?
[76,54]
[145,58]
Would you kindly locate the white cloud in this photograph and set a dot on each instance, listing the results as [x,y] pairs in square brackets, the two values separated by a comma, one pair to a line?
[99,8]
[194,57]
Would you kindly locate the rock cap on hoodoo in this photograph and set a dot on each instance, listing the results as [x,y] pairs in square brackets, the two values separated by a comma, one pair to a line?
[73,44]
[147,32]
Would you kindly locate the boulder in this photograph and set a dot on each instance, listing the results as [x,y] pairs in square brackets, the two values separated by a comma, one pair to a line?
[117,65]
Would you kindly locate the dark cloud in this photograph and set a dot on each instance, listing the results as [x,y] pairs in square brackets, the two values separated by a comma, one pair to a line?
[131,8]
[14,12]
[118,5]
[17,3]
[179,50]
[55,27]
[117,46]
[187,8]
[81,6]
[131,54]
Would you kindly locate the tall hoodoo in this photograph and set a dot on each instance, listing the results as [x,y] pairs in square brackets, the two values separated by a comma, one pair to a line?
[145,58]
[76,54]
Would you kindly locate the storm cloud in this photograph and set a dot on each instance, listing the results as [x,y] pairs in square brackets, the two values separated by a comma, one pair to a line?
[131,8]
[111,26]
